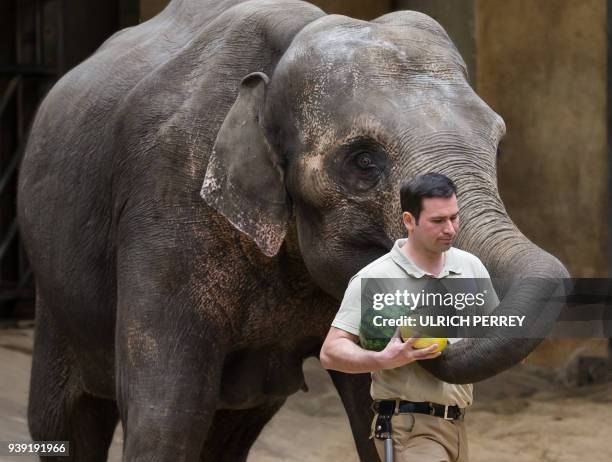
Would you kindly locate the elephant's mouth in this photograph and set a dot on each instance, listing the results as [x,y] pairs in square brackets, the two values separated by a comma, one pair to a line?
[372,243]
[366,253]
[355,256]
[383,244]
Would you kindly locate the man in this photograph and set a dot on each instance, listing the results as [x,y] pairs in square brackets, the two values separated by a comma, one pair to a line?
[430,215]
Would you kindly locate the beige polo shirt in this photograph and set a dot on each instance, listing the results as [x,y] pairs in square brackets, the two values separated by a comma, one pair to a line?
[412,382]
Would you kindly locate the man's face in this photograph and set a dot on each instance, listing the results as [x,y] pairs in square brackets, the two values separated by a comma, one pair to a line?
[438,224]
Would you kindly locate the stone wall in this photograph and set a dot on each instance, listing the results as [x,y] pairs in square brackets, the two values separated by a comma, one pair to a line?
[542,67]
[149,8]
[457,18]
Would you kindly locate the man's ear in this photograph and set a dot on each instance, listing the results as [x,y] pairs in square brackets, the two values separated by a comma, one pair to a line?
[408,220]
[244,179]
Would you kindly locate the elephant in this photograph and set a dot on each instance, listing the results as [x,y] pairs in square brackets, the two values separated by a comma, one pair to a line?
[195,196]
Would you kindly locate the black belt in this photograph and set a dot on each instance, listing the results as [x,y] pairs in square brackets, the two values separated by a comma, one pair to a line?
[438,410]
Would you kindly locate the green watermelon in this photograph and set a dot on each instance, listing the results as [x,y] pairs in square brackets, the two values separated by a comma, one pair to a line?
[375,338]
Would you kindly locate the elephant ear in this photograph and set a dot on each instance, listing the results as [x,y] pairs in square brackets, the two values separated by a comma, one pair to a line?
[244,179]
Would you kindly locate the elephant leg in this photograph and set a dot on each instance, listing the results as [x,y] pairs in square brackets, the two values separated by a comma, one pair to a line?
[59,409]
[166,411]
[233,432]
[354,390]
[168,374]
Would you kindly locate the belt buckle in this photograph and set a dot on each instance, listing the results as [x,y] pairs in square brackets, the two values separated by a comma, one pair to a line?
[446,417]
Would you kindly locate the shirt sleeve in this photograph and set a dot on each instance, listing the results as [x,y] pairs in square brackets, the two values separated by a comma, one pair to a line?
[348,317]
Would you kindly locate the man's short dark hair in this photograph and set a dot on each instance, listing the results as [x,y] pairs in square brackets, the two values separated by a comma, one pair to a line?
[412,192]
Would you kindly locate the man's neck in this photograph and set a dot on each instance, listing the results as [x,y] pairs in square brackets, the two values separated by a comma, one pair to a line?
[430,262]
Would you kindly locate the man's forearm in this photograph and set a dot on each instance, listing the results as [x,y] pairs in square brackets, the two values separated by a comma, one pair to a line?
[346,356]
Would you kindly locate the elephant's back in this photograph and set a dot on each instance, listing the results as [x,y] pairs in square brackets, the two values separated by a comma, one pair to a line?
[150,98]
[76,118]
[65,197]
[134,124]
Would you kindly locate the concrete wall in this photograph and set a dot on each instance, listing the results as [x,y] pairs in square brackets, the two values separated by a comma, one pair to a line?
[457,17]
[542,66]
[149,8]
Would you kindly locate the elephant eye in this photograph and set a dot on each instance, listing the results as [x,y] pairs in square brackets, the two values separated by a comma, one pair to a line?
[364,160]
[360,164]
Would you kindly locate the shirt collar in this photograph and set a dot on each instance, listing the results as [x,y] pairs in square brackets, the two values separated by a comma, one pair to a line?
[399,257]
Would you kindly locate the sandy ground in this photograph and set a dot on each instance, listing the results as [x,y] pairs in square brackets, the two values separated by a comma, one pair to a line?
[526,414]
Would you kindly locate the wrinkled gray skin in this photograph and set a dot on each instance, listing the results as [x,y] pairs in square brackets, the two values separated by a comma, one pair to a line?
[192,225]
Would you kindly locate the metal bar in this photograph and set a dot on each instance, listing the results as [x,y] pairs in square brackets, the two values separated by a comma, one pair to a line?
[25,278]
[37,33]
[10,89]
[12,166]
[18,27]
[10,235]
[27,70]
[20,113]
[59,64]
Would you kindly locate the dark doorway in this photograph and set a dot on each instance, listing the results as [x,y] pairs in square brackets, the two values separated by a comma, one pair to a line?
[41,40]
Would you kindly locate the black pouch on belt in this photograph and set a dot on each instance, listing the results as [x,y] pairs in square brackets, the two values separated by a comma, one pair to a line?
[383,429]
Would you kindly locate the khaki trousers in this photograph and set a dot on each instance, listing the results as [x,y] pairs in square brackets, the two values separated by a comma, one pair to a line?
[425,438]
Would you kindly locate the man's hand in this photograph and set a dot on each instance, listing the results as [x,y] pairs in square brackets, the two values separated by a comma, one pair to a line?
[341,352]
[398,353]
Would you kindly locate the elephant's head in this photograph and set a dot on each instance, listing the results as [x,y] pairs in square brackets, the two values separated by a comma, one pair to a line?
[351,110]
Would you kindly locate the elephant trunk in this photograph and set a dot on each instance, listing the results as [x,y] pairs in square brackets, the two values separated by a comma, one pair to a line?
[528,280]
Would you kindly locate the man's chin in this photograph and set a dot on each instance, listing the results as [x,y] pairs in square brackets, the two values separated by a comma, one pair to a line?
[444,246]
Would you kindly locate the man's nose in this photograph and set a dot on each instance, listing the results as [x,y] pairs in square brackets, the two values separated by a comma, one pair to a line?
[448,227]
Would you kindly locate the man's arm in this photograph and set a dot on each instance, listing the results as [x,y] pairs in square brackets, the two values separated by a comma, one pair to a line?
[341,352]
